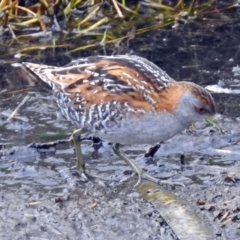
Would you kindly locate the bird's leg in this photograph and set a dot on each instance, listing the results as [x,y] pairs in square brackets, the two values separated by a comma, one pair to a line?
[140,171]
[77,146]
[134,167]
[152,150]
[76,139]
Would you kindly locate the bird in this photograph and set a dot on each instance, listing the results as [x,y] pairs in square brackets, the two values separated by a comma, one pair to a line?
[124,99]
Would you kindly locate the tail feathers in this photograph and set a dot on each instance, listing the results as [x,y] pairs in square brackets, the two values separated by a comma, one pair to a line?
[44,72]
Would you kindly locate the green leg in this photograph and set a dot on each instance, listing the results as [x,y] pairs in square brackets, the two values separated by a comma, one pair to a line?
[77,146]
[139,171]
[134,167]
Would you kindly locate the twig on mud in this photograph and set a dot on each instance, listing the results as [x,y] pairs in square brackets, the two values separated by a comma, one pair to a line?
[30,204]
[225,216]
[17,108]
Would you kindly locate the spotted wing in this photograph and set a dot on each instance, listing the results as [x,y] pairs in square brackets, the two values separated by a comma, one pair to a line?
[152,73]
[93,80]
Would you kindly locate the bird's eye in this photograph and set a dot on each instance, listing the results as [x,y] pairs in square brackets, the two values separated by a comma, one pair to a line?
[200,110]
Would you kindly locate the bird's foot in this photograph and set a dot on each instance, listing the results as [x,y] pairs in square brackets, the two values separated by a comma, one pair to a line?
[158,181]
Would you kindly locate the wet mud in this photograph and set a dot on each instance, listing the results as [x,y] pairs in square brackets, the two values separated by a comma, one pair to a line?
[43,197]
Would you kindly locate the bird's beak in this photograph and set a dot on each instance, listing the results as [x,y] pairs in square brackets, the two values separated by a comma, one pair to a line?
[214,122]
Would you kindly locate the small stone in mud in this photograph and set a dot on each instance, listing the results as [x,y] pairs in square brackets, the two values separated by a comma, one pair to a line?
[201,202]
[182,159]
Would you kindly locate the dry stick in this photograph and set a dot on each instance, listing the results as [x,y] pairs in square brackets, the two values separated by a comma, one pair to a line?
[15,92]
[11,31]
[17,108]
[117,8]
[89,15]
[3,91]
[56,23]
[105,19]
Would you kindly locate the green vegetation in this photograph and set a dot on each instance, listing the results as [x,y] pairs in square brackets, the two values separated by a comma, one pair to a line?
[56,24]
